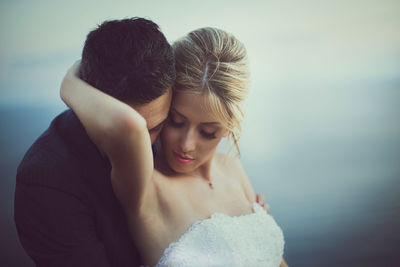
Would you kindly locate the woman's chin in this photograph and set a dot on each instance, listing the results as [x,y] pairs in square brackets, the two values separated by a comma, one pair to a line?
[179,167]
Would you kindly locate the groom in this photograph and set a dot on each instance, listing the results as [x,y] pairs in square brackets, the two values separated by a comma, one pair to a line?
[65,210]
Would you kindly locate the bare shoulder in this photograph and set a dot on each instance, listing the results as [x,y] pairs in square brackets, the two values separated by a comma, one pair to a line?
[232,166]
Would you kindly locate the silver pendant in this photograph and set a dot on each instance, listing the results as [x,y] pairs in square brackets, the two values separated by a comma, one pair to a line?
[211,185]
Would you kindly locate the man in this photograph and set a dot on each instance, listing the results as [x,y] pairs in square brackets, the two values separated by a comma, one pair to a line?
[65,210]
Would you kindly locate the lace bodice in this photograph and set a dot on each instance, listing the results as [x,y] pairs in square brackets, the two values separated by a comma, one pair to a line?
[221,240]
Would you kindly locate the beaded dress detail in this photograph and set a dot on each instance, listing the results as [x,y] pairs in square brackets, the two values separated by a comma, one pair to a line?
[247,240]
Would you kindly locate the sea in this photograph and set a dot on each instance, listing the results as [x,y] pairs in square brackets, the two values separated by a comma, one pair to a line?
[337,199]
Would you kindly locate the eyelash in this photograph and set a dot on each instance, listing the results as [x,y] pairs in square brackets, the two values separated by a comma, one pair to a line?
[207,135]
[154,130]
[204,134]
[175,124]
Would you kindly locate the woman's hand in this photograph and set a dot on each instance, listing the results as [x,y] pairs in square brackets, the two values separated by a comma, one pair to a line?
[69,82]
[260,200]
[283,263]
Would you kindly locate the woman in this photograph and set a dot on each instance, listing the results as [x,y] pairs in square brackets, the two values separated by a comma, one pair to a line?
[189,206]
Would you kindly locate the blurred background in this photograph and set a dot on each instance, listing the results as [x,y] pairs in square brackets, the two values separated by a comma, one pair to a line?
[321,139]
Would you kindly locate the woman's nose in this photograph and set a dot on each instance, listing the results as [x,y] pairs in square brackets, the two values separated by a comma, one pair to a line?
[188,141]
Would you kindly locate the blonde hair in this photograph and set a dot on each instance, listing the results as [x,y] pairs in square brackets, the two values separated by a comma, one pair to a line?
[213,62]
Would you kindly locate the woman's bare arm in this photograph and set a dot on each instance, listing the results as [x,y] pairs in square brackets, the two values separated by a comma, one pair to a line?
[119,131]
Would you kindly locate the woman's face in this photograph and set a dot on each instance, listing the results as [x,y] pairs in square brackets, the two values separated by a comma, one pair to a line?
[191,134]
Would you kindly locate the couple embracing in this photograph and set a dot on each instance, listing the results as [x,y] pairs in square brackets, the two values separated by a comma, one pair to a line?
[130,174]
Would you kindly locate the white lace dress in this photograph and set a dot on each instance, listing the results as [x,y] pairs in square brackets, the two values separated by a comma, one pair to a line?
[249,240]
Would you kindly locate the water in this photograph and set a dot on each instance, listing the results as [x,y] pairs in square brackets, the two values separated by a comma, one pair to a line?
[336,199]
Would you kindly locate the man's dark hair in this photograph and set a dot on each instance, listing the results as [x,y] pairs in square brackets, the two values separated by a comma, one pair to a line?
[129,59]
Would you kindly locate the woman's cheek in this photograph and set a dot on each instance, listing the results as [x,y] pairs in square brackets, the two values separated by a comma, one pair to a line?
[209,146]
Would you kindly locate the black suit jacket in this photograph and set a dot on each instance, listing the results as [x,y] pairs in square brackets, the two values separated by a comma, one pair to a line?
[65,210]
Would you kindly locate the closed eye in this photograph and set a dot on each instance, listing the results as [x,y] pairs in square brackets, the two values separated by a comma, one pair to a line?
[208,135]
[174,123]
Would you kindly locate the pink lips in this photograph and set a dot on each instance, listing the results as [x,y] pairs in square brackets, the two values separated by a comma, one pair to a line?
[181,159]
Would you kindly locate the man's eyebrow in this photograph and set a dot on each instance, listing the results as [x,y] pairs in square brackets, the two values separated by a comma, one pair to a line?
[207,123]
[180,114]
[157,126]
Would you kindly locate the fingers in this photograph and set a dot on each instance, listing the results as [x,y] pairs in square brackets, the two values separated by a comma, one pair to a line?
[69,81]
[266,207]
[75,67]
[72,73]
[260,200]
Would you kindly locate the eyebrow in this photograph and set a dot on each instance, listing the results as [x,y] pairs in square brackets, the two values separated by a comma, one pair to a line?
[157,126]
[207,123]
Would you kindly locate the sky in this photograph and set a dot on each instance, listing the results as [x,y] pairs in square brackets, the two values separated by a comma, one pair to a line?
[289,42]
[318,68]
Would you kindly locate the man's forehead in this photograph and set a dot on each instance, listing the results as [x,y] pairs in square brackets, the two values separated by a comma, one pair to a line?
[156,111]
[155,119]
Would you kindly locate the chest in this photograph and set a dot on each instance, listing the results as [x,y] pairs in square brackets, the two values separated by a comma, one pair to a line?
[182,203]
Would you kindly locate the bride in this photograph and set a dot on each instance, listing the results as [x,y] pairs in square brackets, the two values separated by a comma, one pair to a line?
[188,205]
